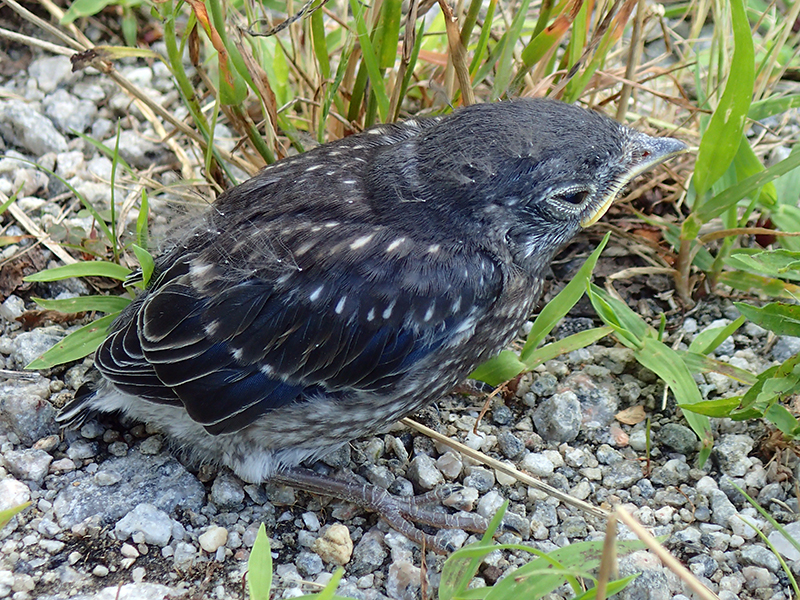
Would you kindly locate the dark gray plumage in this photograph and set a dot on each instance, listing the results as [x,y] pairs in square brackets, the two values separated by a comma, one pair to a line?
[342,289]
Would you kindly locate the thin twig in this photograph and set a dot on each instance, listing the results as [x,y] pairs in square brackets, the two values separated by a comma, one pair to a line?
[507,469]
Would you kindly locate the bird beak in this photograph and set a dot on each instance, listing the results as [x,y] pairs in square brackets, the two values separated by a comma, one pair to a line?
[649,152]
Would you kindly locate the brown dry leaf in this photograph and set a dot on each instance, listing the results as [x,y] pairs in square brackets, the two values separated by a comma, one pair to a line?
[35,318]
[632,415]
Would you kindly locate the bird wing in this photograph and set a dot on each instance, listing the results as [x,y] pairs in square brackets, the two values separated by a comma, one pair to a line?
[231,347]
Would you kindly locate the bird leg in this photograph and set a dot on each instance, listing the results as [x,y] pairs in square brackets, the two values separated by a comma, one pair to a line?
[401,513]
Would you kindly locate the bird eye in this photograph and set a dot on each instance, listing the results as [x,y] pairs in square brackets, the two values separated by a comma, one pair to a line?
[575,198]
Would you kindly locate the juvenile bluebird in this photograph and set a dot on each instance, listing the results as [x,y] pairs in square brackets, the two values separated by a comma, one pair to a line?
[342,289]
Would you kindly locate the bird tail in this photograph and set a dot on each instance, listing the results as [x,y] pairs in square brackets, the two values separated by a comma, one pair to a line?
[80,409]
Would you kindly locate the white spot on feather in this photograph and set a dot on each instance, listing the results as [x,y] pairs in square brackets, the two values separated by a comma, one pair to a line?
[429,313]
[362,241]
[371,314]
[340,305]
[395,244]
[313,168]
[388,312]
[316,294]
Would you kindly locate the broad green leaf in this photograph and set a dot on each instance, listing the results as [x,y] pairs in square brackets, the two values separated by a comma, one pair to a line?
[145,261]
[612,587]
[629,326]
[746,282]
[709,340]
[786,217]
[746,164]
[564,345]
[700,363]
[105,304]
[504,67]
[717,408]
[668,365]
[723,201]
[502,367]
[8,514]
[724,134]
[778,317]
[536,578]
[259,567]
[84,8]
[76,345]
[781,263]
[94,268]
[779,415]
[559,306]
[389,32]
[773,106]
[461,566]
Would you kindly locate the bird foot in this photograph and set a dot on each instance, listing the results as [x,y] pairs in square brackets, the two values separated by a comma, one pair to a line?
[403,514]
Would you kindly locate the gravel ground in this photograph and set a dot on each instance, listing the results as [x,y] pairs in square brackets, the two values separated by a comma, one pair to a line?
[111,505]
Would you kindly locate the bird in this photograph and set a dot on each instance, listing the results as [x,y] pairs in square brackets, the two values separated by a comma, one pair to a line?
[342,289]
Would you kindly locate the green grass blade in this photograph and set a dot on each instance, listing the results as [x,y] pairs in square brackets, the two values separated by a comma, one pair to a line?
[723,136]
[94,268]
[502,367]
[76,345]
[104,304]
[723,201]
[562,303]
[370,59]
[503,73]
[259,567]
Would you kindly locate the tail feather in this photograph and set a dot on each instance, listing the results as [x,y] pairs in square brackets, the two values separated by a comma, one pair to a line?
[80,409]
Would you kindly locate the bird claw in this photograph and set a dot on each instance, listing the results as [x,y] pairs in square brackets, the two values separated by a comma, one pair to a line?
[401,513]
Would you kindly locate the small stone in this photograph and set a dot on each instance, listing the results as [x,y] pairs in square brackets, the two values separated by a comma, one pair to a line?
[450,465]
[13,493]
[537,464]
[759,556]
[153,524]
[510,445]
[369,554]
[184,555]
[311,521]
[678,437]
[151,445]
[226,492]
[29,464]
[308,564]
[100,571]
[462,499]
[558,418]
[213,538]
[479,478]
[489,504]
[129,551]
[91,430]
[731,453]
[423,472]
[335,545]
[783,545]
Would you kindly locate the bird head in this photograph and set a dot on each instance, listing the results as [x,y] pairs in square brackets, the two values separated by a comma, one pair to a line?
[530,173]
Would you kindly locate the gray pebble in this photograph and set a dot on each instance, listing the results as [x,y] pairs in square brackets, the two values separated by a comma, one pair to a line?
[153,524]
[423,473]
[544,384]
[28,464]
[559,417]
[510,445]
[479,478]
[678,437]
[785,347]
[29,129]
[759,556]
[226,492]
[308,564]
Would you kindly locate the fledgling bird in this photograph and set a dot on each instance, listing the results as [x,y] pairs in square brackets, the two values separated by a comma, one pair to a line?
[340,290]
